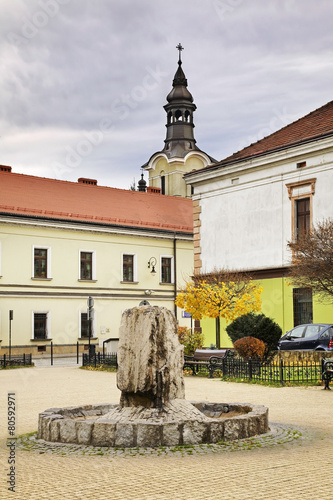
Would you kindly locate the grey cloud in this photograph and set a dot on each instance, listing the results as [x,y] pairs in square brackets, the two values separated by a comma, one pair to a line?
[244,59]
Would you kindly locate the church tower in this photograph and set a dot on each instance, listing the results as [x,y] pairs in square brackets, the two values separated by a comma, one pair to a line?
[180,153]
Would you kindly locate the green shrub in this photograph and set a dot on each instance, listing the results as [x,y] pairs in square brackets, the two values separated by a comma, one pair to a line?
[250,347]
[259,326]
[190,340]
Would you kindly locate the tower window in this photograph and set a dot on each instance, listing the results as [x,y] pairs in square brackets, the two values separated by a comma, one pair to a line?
[178,115]
[162,184]
[187,116]
[169,117]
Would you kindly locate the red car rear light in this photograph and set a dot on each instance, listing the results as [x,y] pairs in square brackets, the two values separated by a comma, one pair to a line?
[330,345]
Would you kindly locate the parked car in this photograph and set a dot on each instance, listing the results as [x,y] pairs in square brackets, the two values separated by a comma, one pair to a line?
[311,337]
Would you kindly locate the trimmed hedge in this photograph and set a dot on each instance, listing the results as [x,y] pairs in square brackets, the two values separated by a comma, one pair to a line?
[259,326]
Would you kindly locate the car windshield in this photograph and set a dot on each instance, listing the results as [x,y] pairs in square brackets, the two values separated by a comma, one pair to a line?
[296,332]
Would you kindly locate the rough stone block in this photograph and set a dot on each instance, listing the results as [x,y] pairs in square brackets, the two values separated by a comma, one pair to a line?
[171,434]
[67,431]
[254,425]
[233,429]
[216,431]
[148,435]
[55,430]
[124,435]
[103,433]
[150,357]
[195,432]
[84,431]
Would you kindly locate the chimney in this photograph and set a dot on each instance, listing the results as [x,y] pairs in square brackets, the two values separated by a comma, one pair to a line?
[153,190]
[91,182]
[3,168]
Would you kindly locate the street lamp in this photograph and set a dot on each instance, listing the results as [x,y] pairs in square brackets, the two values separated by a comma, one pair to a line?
[10,332]
[90,319]
[151,264]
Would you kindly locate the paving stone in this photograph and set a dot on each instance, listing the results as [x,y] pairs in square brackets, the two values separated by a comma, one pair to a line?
[260,469]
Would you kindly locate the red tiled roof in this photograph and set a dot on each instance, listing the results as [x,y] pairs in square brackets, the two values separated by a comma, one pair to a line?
[55,199]
[317,124]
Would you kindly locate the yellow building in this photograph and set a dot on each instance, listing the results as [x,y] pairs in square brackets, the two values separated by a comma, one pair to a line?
[63,242]
[180,154]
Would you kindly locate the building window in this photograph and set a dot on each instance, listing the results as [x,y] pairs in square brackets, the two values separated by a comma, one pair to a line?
[301,196]
[41,263]
[302,304]
[128,267]
[302,213]
[40,325]
[167,269]
[162,184]
[84,326]
[87,265]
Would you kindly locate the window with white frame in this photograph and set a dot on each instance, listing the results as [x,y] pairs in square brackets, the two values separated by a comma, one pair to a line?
[40,325]
[41,262]
[87,263]
[129,268]
[84,325]
[167,271]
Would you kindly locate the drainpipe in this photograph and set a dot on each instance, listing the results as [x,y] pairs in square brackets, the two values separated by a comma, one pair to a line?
[175,269]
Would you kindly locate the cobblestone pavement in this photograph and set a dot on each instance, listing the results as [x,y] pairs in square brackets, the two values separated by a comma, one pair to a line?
[278,466]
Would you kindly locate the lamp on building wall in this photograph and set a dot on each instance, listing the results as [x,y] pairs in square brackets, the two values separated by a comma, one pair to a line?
[151,265]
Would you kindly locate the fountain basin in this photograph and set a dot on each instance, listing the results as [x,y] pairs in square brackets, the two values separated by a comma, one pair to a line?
[178,422]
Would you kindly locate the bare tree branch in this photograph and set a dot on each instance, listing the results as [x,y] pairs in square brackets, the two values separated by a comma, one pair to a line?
[313,260]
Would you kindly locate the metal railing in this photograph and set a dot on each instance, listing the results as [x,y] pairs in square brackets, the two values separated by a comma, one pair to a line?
[16,360]
[282,372]
[95,359]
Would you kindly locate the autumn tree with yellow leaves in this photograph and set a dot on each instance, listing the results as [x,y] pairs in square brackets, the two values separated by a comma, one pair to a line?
[221,294]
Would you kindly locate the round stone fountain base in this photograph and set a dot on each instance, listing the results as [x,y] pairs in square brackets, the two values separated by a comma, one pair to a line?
[179,422]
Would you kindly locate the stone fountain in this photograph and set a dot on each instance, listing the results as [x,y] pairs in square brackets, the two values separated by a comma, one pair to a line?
[152,410]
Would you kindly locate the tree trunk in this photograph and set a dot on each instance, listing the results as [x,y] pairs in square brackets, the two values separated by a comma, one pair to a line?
[218,332]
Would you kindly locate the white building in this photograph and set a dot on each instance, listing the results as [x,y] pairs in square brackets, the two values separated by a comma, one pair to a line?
[250,204]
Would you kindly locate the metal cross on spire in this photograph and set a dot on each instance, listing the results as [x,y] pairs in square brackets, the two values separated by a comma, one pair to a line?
[180,48]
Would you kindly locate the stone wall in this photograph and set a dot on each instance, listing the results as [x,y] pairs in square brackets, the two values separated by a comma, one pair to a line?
[302,356]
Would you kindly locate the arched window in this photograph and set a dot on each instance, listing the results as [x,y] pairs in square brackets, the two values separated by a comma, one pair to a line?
[162,184]
[187,116]
[178,115]
[169,117]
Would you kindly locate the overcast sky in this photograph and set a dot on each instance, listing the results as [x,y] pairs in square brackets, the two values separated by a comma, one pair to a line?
[83,82]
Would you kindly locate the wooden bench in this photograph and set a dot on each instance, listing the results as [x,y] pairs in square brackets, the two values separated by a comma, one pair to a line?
[327,372]
[205,357]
